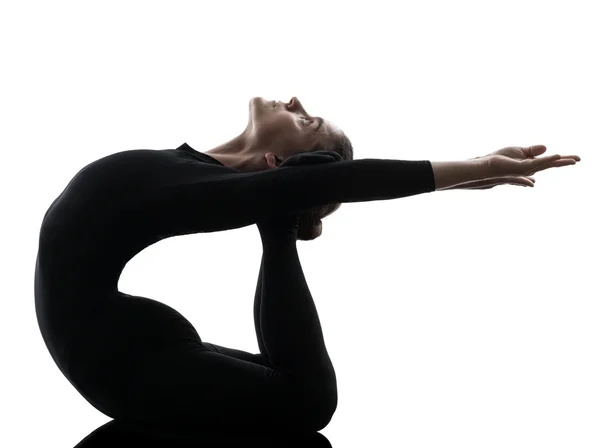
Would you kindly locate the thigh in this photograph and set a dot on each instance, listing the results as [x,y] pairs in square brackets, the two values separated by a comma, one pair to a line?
[106,356]
[194,389]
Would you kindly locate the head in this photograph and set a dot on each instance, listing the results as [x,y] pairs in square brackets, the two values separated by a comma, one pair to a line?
[279,130]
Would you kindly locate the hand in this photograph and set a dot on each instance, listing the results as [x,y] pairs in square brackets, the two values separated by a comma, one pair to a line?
[519,161]
[486,184]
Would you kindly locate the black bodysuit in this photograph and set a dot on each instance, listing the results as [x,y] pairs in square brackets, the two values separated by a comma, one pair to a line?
[140,361]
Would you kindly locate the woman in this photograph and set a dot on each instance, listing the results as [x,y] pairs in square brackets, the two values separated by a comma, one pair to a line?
[141,361]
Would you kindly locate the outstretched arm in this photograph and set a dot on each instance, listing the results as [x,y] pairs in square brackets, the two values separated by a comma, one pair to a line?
[196,200]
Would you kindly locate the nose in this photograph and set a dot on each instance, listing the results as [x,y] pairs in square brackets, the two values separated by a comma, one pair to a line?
[294,104]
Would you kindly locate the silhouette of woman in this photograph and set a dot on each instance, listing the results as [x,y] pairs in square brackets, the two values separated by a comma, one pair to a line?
[140,361]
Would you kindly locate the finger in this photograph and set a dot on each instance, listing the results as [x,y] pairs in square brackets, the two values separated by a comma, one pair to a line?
[555,164]
[525,181]
[520,181]
[547,159]
[541,163]
[563,162]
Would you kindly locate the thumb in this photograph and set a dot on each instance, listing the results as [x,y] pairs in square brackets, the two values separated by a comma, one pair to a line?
[536,150]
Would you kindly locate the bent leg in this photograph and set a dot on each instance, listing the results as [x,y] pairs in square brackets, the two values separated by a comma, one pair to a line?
[190,389]
[289,323]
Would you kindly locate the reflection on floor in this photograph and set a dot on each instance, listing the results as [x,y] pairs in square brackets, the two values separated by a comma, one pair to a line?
[114,433]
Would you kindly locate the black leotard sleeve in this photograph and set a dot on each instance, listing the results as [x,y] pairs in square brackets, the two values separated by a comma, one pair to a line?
[208,197]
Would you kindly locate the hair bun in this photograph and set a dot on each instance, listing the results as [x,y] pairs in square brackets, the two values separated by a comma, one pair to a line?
[310,230]
[310,226]
[311,158]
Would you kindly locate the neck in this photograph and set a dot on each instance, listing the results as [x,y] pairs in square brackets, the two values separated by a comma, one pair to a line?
[238,153]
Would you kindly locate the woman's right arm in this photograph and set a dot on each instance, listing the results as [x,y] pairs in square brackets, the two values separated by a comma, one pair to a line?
[198,200]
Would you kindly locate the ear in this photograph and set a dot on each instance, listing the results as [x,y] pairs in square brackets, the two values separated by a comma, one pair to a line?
[272,160]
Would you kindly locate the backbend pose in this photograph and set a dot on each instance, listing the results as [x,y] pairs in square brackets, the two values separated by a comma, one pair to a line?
[138,360]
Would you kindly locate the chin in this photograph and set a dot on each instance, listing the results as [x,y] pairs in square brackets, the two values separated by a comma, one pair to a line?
[257,106]
[254,103]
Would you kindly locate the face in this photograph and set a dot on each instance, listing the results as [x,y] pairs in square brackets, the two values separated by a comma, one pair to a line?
[283,129]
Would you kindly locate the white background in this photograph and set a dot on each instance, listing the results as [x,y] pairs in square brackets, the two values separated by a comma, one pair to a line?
[455,318]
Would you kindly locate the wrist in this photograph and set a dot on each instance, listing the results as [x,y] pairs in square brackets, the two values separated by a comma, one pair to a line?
[450,174]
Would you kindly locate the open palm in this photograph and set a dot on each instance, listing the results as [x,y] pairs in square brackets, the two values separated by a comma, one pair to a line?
[523,161]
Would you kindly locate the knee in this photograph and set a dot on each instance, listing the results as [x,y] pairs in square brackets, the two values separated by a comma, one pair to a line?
[315,401]
[324,406]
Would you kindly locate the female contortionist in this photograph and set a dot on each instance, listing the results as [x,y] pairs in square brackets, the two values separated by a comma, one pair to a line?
[140,361]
